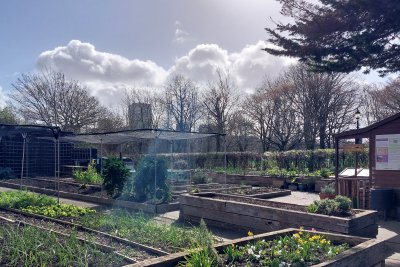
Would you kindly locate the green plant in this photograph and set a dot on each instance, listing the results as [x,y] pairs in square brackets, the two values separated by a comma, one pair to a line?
[115,175]
[141,228]
[325,172]
[6,173]
[343,204]
[152,171]
[28,246]
[329,189]
[326,206]
[22,199]
[90,176]
[199,177]
[300,249]
[199,258]
[312,208]
[59,210]
[232,253]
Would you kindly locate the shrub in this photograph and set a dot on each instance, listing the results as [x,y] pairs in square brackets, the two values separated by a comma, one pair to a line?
[6,173]
[328,189]
[344,204]
[115,175]
[88,177]
[199,177]
[150,168]
[327,207]
[341,205]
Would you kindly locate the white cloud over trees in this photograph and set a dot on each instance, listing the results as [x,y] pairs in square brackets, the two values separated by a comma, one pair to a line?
[107,75]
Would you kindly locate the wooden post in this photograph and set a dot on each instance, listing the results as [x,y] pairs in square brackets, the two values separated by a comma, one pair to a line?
[337,166]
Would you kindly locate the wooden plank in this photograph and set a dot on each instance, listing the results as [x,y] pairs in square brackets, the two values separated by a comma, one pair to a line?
[353,148]
[290,218]
[251,223]
[366,252]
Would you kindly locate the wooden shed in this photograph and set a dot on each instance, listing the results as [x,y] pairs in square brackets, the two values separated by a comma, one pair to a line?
[383,141]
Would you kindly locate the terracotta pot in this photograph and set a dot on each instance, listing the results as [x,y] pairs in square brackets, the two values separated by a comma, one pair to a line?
[325,195]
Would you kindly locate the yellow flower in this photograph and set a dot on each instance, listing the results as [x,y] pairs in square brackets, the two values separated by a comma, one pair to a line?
[250,233]
[296,236]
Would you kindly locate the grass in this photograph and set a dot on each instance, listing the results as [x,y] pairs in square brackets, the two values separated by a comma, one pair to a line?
[140,228]
[29,246]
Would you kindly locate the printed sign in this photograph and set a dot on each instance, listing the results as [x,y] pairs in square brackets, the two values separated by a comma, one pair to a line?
[387,152]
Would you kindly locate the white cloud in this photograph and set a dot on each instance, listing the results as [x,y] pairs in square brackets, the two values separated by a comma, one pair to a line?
[107,75]
[180,35]
[104,73]
[247,67]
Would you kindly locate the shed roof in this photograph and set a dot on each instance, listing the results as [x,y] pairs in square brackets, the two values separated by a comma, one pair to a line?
[363,132]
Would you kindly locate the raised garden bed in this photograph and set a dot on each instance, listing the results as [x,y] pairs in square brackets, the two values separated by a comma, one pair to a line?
[93,195]
[362,251]
[259,215]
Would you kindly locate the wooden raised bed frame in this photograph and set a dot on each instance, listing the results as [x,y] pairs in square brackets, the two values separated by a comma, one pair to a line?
[145,207]
[364,252]
[270,216]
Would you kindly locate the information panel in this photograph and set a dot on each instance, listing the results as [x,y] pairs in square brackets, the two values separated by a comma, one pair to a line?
[387,152]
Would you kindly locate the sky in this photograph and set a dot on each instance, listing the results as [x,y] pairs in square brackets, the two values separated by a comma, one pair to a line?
[112,45]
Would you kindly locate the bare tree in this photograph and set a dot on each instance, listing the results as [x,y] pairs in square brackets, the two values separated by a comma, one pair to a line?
[181,103]
[51,99]
[219,101]
[260,108]
[274,117]
[318,97]
[111,121]
[240,130]
[382,102]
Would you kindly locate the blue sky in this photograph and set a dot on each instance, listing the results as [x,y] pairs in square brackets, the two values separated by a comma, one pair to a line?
[124,43]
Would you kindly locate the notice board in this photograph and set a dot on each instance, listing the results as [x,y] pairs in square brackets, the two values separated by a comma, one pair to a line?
[387,152]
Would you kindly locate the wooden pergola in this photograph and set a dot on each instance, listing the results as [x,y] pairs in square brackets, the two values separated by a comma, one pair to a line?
[383,169]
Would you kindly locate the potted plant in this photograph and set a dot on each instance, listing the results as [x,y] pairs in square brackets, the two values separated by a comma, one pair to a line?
[303,187]
[293,184]
[328,191]
[310,181]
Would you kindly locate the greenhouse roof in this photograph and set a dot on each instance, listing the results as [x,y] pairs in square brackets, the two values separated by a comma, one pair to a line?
[30,130]
[117,137]
[120,137]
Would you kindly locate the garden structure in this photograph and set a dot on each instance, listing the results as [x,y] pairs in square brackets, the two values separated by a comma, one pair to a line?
[261,215]
[284,247]
[378,186]
[57,150]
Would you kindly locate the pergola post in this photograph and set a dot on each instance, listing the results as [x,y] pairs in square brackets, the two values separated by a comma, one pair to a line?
[24,135]
[337,166]
[225,159]
[155,166]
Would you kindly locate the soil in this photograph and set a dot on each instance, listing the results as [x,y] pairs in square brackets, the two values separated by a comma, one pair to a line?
[135,253]
[268,203]
[67,186]
[251,191]
[64,186]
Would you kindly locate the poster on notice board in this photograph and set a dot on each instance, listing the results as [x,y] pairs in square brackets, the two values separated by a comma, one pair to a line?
[387,152]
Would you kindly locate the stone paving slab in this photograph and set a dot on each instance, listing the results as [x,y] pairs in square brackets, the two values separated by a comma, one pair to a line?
[297,197]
